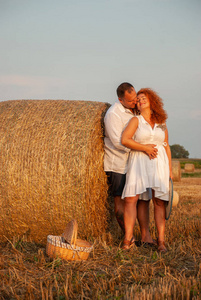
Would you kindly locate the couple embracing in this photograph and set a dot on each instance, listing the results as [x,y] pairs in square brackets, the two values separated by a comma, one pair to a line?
[137,162]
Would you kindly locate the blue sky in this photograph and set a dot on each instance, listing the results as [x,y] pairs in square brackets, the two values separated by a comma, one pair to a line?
[83,49]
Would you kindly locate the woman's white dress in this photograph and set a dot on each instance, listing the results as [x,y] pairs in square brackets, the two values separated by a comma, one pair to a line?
[143,172]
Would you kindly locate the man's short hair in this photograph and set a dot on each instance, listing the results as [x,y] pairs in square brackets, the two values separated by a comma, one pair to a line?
[125,86]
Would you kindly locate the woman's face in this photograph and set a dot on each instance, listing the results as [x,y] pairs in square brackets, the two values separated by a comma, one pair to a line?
[142,102]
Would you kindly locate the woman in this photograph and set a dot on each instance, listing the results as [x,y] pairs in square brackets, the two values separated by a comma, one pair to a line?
[143,172]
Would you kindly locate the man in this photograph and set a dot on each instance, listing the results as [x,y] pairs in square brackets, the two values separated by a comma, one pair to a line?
[116,155]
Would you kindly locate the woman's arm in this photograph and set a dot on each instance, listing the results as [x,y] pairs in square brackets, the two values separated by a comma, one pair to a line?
[168,151]
[127,140]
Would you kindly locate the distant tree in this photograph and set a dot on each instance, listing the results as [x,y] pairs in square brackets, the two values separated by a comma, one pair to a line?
[179,151]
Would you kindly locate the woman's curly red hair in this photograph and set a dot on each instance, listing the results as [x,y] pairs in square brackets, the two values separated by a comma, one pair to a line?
[159,115]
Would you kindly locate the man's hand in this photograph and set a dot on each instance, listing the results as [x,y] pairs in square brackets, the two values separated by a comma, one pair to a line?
[151,151]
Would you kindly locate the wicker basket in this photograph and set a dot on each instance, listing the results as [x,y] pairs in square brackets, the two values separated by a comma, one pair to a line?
[67,246]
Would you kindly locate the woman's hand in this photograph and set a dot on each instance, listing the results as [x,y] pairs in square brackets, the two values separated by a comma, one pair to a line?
[151,151]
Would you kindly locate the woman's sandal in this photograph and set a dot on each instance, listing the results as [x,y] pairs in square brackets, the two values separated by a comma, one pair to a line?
[126,245]
[161,246]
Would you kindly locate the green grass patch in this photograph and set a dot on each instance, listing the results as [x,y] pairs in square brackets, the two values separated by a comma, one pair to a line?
[196,162]
[192,175]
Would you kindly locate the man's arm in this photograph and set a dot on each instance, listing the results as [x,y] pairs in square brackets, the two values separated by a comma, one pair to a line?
[113,130]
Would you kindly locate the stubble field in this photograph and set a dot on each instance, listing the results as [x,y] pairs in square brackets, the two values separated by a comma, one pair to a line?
[26,272]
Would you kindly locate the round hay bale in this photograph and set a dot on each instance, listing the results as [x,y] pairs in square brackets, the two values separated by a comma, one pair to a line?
[176,170]
[51,168]
[189,168]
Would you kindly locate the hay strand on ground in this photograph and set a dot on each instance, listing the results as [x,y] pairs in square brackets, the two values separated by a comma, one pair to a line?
[26,272]
[51,167]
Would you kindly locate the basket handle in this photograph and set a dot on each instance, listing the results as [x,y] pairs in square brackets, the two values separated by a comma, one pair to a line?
[70,232]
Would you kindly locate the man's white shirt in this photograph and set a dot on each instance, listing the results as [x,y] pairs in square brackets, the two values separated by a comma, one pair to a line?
[116,155]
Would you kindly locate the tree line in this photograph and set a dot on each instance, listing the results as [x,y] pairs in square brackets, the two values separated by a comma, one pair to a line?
[179,151]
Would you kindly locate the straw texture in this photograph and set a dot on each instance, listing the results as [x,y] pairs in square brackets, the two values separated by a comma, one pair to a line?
[51,167]
[189,168]
[176,170]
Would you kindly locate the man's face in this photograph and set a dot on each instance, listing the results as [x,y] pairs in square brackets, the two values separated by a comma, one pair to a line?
[129,99]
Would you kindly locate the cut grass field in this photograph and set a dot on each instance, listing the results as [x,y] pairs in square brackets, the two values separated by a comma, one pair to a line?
[196,162]
[26,272]
[192,175]
[197,165]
